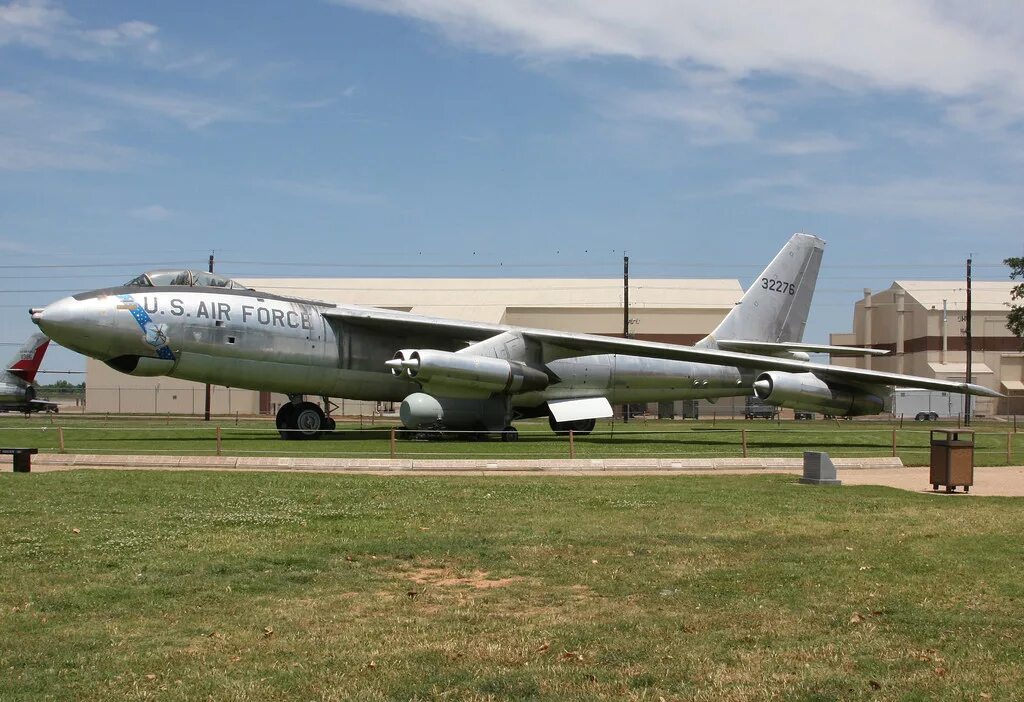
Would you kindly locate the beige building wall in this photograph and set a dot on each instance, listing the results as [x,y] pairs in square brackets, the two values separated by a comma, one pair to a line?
[670,310]
[907,320]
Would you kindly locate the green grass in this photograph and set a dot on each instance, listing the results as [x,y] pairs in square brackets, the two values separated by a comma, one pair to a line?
[639,438]
[183,586]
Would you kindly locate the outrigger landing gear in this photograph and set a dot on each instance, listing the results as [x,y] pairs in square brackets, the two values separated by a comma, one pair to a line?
[580,427]
[298,419]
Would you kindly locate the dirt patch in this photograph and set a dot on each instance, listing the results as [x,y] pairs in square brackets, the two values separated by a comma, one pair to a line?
[439,576]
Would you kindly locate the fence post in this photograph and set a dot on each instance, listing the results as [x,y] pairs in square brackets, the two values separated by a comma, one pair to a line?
[572,444]
[894,443]
[391,442]
[60,438]
[218,440]
[1009,448]
[743,438]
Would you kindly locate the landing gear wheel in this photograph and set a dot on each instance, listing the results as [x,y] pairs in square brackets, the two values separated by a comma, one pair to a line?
[330,424]
[285,419]
[308,421]
[933,416]
[510,434]
[580,427]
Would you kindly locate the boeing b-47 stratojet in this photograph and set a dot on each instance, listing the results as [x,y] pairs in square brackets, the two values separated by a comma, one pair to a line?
[451,374]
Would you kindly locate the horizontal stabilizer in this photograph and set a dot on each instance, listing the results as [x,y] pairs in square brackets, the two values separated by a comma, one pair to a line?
[575,410]
[771,348]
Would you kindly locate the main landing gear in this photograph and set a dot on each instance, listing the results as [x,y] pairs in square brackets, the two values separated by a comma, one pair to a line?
[580,427]
[299,419]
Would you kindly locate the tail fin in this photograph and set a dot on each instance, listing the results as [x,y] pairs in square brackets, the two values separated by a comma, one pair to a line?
[775,306]
[26,362]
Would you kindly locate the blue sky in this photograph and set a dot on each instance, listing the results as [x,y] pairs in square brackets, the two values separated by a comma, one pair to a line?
[485,137]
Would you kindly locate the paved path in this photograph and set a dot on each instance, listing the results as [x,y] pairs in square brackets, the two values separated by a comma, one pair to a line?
[1004,481]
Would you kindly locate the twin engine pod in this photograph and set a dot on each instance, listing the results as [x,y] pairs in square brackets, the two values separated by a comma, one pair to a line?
[806,391]
[460,375]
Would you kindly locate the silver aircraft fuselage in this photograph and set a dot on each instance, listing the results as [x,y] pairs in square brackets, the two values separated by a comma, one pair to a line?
[248,339]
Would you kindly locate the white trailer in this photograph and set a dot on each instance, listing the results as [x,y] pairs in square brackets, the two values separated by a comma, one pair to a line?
[927,405]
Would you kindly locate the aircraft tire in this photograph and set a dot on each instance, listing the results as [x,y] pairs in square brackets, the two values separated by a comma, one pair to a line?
[581,427]
[330,424]
[510,434]
[307,421]
[285,420]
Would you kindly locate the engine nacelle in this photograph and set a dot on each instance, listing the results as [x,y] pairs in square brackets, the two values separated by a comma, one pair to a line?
[422,411]
[464,375]
[806,391]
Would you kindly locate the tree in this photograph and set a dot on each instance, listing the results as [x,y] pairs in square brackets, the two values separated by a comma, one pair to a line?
[1015,319]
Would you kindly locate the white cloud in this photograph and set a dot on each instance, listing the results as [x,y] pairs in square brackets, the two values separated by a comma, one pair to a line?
[44,25]
[913,44]
[939,50]
[809,145]
[151,213]
[321,190]
[36,136]
[972,203]
[193,111]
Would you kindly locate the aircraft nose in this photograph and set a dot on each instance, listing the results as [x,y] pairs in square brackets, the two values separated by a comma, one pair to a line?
[66,321]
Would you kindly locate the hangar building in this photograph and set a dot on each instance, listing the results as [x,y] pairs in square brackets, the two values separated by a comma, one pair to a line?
[922,323]
[667,310]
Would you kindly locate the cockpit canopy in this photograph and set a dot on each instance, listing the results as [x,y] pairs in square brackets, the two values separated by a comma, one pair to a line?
[185,278]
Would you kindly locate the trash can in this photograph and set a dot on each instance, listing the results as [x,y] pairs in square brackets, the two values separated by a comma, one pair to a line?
[952,460]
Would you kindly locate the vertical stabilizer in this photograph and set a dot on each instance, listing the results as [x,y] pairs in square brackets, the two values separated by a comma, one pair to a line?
[26,362]
[775,306]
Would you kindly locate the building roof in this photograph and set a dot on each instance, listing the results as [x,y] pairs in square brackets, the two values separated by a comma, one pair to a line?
[487,299]
[986,295]
[958,369]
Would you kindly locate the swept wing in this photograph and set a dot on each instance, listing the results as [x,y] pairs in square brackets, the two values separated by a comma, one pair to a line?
[557,344]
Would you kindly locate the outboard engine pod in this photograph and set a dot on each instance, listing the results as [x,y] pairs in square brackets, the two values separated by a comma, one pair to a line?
[806,391]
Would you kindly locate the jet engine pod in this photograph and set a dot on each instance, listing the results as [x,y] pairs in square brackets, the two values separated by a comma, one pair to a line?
[806,391]
[398,363]
[423,411]
[141,365]
[468,376]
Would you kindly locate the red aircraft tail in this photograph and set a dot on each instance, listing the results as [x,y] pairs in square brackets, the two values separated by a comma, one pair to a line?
[26,363]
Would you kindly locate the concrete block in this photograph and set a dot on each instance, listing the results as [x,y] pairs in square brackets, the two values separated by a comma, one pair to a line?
[818,469]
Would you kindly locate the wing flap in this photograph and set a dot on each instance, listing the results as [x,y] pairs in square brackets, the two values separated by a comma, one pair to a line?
[769,348]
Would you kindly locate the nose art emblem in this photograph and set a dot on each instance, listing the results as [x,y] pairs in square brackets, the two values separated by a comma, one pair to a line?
[154,334]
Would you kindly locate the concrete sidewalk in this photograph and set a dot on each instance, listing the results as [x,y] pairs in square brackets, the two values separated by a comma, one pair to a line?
[885,471]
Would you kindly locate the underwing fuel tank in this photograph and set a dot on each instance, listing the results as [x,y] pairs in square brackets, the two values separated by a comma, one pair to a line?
[463,375]
[806,391]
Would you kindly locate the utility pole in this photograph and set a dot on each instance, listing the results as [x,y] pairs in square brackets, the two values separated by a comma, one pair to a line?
[206,411]
[625,317]
[967,374]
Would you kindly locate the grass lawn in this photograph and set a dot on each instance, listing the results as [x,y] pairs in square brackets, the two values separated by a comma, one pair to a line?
[262,586]
[248,437]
